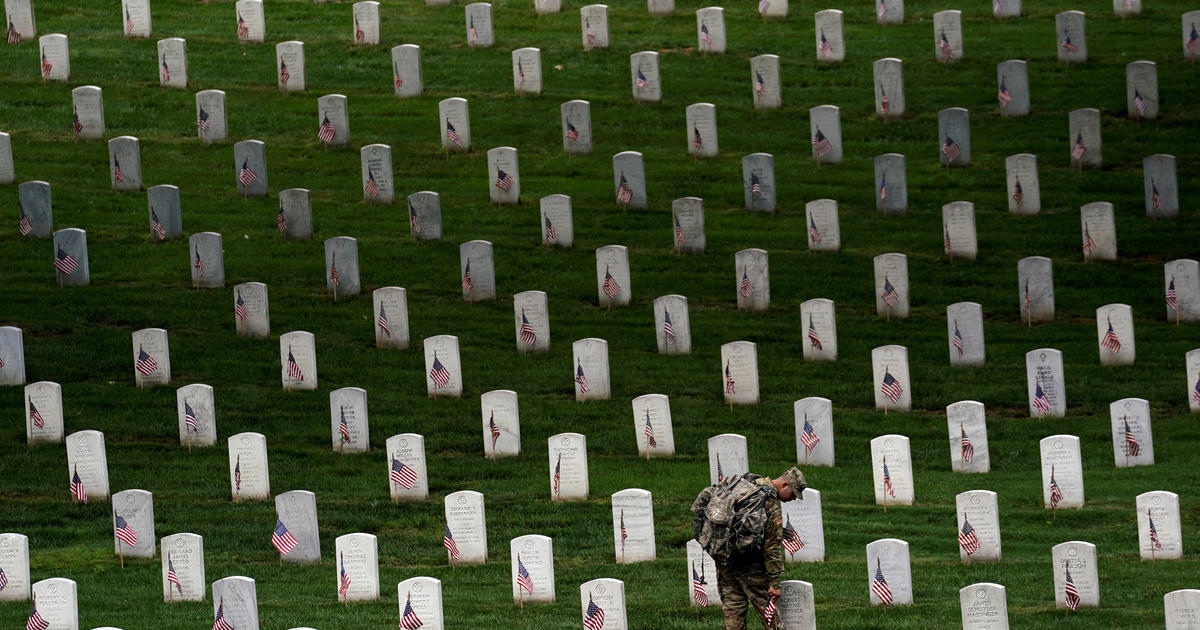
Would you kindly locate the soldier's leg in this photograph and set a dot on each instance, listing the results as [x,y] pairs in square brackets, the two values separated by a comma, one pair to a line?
[756,586]
[733,600]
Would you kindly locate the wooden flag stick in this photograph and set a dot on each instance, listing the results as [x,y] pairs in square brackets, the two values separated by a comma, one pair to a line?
[121,552]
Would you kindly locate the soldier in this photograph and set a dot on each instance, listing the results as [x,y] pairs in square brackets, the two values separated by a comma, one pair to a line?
[747,572]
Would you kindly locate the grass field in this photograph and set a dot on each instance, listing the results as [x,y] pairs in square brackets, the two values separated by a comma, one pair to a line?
[81,337]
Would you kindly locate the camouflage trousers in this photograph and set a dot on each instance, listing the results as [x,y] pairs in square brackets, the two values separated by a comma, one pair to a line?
[742,588]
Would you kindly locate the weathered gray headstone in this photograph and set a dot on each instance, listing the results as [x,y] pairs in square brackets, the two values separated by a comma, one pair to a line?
[14,563]
[889,11]
[814,431]
[56,57]
[984,606]
[954,136]
[86,459]
[298,360]
[727,457]
[1035,287]
[1158,527]
[633,526]
[358,556]
[568,467]
[366,22]
[1012,78]
[752,279]
[501,423]
[1182,277]
[831,44]
[947,27]
[710,30]
[1182,607]
[590,360]
[967,422]
[672,328]
[19,18]
[35,210]
[893,388]
[425,216]
[151,357]
[333,120]
[136,18]
[825,130]
[207,260]
[1072,38]
[958,230]
[248,475]
[701,576]
[608,595]
[479,25]
[978,514]
[166,221]
[820,330]
[289,63]
[391,317]
[378,183]
[577,127]
[183,554]
[613,276]
[477,269]
[889,87]
[797,608]
[1077,559]
[660,7]
[71,257]
[687,213]
[773,8]
[1126,8]
[407,78]
[348,409]
[702,130]
[504,178]
[647,86]
[891,286]
[652,425]
[341,266]
[408,476]
[527,70]
[558,228]
[1046,384]
[891,184]
[87,103]
[58,603]
[297,510]
[12,356]
[1099,231]
[739,372]
[250,168]
[1191,36]
[1132,438]
[251,22]
[629,180]
[768,90]
[467,522]
[1141,89]
[195,409]
[125,163]
[443,367]
[964,330]
[758,182]
[593,20]
[824,231]
[43,413]
[1084,126]
[1062,472]
[1022,184]
[7,172]
[889,557]
[542,7]
[172,62]
[251,310]
[211,124]
[536,554]
[1162,187]
[137,508]
[531,321]
[236,598]
[456,124]
[1114,332]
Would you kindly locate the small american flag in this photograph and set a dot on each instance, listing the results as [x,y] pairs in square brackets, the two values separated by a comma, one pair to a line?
[624,532]
[1080,148]
[705,38]
[808,436]
[824,48]
[755,186]
[1139,102]
[157,227]
[439,374]
[698,592]
[189,417]
[944,46]
[1172,297]
[889,295]
[950,149]
[164,72]
[197,263]
[282,539]
[958,340]
[624,191]
[494,430]
[731,390]
[117,174]
[791,540]
[397,80]
[359,35]
[76,126]
[572,133]
[890,387]
[760,86]
[246,176]
[124,532]
[24,225]
[594,618]
[1132,446]
[641,81]
[409,619]
[1018,194]
[1070,593]
[382,321]
[881,11]
[883,188]
[1155,199]
[467,283]
[697,141]
[3,579]
[668,328]
[128,22]
[768,613]
[524,580]
[343,578]
[281,219]
[449,544]
[1110,340]
[679,238]
[35,621]
[402,474]
[763,5]
[64,263]
[588,34]
[1027,305]
[813,233]
[237,474]
[472,34]
[610,286]
[528,337]
[239,308]
[1193,43]
[884,104]
[1040,401]
[550,234]
[372,187]
[1067,45]
[202,120]
[452,135]
[77,487]
[220,623]
[745,289]
[14,37]
[520,72]
[557,477]
[243,31]
[172,576]
[967,538]
[284,75]
[145,363]
[946,241]
[504,181]
[879,585]
[35,416]
[46,65]
[821,143]
[1004,96]
[1089,245]
[887,480]
[343,428]
[1196,391]
[326,132]
[720,475]
[1154,533]
[648,431]
[293,368]
[581,379]
[968,449]
[414,221]
[1056,494]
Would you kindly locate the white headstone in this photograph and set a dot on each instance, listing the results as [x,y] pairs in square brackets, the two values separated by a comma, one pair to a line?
[889,87]
[890,557]
[652,425]
[358,556]
[297,510]
[443,367]
[248,475]
[643,66]
[348,406]
[702,129]
[1182,607]
[256,321]
[43,413]
[455,124]
[1012,91]
[1045,383]
[1077,559]
[34,205]
[425,216]
[739,372]
[1072,37]
[504,178]
[1158,527]
[294,218]
[954,136]
[250,168]
[378,184]
[1062,469]
[825,130]
[183,554]
[125,163]
[1023,190]
[814,431]
[1192,360]
[590,372]
[207,260]
[14,562]
[568,467]
[891,470]
[1141,88]
[710,30]
[341,266]
[477,269]
[1184,275]
[891,184]
[12,356]
[1099,231]
[889,11]
[607,597]
[703,569]
[289,64]
[820,330]
[891,286]
[593,22]
[137,508]
[752,280]
[804,528]
[479,25]
[964,333]
[984,606]
[542,7]
[831,44]
[672,328]
[948,34]
[58,603]
[527,71]
[236,598]
[531,321]
[501,423]
[536,554]
[151,357]
[1191,36]
[87,103]
[164,210]
[1162,187]
[298,360]
[758,182]
[251,22]
[629,180]
[136,18]
[768,90]
[958,230]
[1006,8]
[558,228]
[967,423]
[172,62]
[577,127]
[688,216]
[407,79]
[1114,332]
[86,459]
[1035,286]
[796,605]
[1084,142]
[70,244]
[366,22]
[467,522]
[727,457]
[333,123]
[660,7]
[633,526]
[824,229]
[19,17]
[408,476]
[978,514]
[613,276]
[1133,441]
[55,56]
[197,415]
[7,174]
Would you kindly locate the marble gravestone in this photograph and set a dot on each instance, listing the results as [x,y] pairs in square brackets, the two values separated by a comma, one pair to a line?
[43,413]
[251,21]
[408,477]
[978,511]
[1192,360]
[688,216]
[137,18]
[366,22]
[629,180]
[348,406]
[423,597]
[768,89]
[467,522]
[1062,468]
[1071,36]
[86,459]
[820,327]
[1084,127]
[443,367]
[890,367]
[358,555]
[1191,36]
[727,457]
[660,7]
[211,124]
[7,174]
[35,207]
[825,130]
[333,117]
[172,62]
[542,7]
[196,402]
[289,61]
[535,553]
[1035,284]
[341,267]
[889,87]
[954,136]
[137,508]
[1126,8]
[647,86]
[814,431]
[1079,559]
[87,104]
[478,280]
[1012,79]
[889,11]
[207,260]
[1114,332]
[236,597]
[891,285]
[672,328]
[568,467]
[19,17]
[297,510]
[58,603]
[558,229]
[1182,607]
[964,330]
[652,426]
[531,321]
[391,317]
[151,358]
[378,184]
[298,360]
[831,43]
[613,276]
[739,362]
[455,124]
[250,168]
[752,280]
[591,375]
[758,182]
[983,606]
[608,595]
[948,32]
[248,474]
[479,25]
[504,179]
[890,557]
[805,520]
[891,184]
[773,8]
[797,607]
[125,163]
[1162,188]
[1023,188]
[407,79]
[1183,275]
[633,526]
[56,57]
[165,211]
[425,216]
[958,230]
[710,30]
[1141,89]
[703,569]
[1099,231]
[702,130]
[824,231]
[501,423]
[891,470]
[1006,8]
[593,20]
[71,258]
[577,127]
[1132,438]
[12,356]
[527,71]
[1044,376]
[1158,511]
[183,554]
[256,320]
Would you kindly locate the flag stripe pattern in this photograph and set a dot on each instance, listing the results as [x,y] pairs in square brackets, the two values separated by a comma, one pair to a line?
[402,474]
[124,532]
[439,374]
[967,538]
[809,436]
[282,539]
[449,544]
[524,580]
[879,586]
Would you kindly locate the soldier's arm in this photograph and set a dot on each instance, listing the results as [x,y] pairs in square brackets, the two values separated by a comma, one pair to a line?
[698,507]
[773,543]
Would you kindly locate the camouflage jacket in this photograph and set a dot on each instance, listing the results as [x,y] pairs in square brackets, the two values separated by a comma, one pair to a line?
[771,559]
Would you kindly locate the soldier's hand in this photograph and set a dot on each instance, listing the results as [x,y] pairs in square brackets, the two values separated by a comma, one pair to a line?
[774,592]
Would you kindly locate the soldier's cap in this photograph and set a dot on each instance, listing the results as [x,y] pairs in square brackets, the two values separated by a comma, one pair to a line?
[796,480]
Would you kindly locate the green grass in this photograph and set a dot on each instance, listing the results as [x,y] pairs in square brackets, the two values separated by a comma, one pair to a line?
[80,337]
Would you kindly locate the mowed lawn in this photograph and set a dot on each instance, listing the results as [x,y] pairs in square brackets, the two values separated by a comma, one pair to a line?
[80,337]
